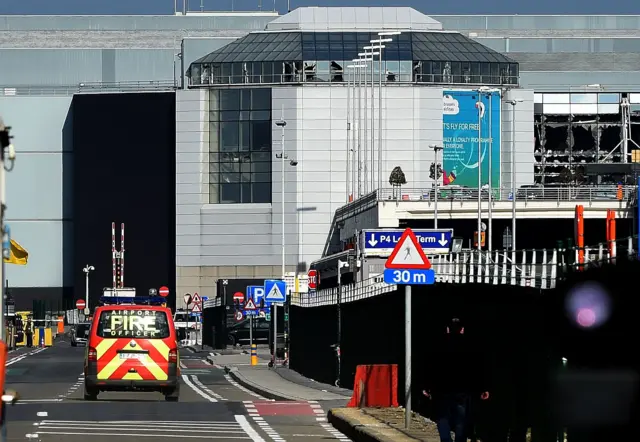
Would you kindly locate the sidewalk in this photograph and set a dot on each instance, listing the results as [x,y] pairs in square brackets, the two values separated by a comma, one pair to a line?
[381,424]
[279,383]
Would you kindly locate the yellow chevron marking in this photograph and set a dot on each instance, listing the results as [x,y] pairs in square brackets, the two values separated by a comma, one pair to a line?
[132,377]
[104,346]
[111,367]
[154,369]
[162,348]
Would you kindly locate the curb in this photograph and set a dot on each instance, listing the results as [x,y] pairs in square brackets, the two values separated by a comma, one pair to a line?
[237,376]
[362,428]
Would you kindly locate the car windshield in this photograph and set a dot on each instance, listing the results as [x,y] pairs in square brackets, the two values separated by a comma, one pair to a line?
[133,324]
[82,331]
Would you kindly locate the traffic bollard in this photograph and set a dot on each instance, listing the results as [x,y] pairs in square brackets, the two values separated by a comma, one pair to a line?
[254,354]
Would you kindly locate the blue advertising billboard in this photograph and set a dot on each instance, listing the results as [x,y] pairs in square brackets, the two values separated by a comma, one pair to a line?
[464,119]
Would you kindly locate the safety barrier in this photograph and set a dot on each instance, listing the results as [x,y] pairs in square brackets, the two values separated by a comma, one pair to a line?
[526,268]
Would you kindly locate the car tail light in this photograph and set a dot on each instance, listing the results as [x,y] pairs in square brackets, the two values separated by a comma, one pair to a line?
[173,356]
[92,354]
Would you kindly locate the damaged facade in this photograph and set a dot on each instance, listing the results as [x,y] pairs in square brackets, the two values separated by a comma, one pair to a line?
[573,129]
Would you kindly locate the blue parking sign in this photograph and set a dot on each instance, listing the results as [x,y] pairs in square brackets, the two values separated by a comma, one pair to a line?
[256,292]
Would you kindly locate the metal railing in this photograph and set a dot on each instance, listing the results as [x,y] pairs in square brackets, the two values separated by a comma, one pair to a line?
[540,269]
[70,89]
[337,77]
[537,193]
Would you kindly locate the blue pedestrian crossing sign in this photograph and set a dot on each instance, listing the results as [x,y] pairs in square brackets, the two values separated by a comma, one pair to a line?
[275,290]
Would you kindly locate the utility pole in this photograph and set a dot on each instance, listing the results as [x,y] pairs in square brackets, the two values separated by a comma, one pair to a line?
[6,152]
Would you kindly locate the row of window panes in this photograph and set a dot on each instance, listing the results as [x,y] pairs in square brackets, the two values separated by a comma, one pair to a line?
[261,115]
[577,98]
[236,193]
[250,99]
[243,136]
[577,109]
[422,71]
[556,45]
[584,98]
[239,178]
[262,169]
[528,22]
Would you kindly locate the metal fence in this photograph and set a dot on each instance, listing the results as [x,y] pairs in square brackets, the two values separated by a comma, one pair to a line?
[541,269]
[534,193]
[80,88]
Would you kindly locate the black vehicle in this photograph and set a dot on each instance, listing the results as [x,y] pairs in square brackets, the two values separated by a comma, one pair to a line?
[238,334]
[80,334]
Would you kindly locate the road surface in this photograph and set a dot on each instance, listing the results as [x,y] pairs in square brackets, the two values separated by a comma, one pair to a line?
[212,406]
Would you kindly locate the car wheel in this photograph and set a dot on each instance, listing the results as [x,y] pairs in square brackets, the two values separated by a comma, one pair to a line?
[73,344]
[90,394]
[231,340]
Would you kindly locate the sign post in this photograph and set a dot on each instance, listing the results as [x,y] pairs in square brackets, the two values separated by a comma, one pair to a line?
[250,308]
[197,308]
[408,265]
[275,292]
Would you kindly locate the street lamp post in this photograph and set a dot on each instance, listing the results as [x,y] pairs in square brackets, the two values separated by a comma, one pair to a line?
[436,148]
[381,40]
[513,104]
[366,57]
[281,123]
[479,105]
[87,269]
[373,107]
[354,127]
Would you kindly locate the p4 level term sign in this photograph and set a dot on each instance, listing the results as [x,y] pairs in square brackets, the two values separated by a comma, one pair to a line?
[381,242]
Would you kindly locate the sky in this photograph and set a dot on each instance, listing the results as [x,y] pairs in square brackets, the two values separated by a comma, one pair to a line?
[428,7]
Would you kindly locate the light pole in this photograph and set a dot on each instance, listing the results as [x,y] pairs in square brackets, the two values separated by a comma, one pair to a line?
[373,107]
[281,123]
[7,158]
[480,107]
[352,126]
[87,269]
[381,40]
[513,104]
[436,148]
[366,57]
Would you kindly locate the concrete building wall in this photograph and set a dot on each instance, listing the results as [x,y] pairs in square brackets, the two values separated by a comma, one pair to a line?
[39,210]
[524,136]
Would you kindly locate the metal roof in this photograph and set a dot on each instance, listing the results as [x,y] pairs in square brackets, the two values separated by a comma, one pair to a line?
[293,46]
[354,19]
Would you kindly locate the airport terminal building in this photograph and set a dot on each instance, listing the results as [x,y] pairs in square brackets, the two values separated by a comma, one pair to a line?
[219,82]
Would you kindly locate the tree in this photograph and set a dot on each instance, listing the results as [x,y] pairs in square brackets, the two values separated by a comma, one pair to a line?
[397,179]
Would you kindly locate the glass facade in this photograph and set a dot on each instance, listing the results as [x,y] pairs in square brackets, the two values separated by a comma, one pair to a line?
[240,146]
[298,57]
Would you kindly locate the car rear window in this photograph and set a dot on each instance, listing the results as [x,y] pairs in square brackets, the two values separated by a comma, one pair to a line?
[148,324]
[82,331]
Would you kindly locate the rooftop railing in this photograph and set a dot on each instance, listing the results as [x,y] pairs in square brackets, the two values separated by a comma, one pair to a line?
[320,78]
[535,193]
[97,87]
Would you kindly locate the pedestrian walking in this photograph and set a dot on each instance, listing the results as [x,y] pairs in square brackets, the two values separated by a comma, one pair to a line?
[29,332]
[456,379]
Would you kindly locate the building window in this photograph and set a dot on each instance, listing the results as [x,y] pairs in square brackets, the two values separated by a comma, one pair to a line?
[240,146]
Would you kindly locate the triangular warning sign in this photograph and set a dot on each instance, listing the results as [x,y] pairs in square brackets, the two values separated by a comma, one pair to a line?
[250,305]
[275,294]
[196,299]
[408,254]
[196,308]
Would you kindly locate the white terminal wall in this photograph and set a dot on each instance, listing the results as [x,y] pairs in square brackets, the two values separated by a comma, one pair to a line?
[226,235]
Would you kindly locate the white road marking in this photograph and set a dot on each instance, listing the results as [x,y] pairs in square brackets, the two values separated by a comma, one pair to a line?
[24,356]
[240,387]
[227,430]
[201,393]
[335,433]
[182,365]
[246,426]
[42,414]
[206,389]
[264,426]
